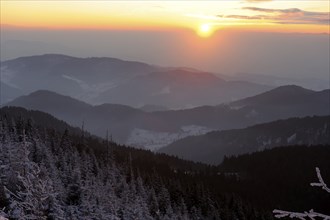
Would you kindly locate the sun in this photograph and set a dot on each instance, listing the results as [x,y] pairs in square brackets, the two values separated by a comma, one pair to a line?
[205,30]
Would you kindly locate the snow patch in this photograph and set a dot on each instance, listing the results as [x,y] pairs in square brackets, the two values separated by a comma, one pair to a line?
[263,142]
[81,83]
[267,143]
[195,129]
[291,138]
[153,140]
[91,91]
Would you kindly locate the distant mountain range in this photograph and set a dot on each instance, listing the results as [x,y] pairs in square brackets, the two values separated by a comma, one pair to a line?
[310,82]
[157,129]
[179,88]
[83,78]
[213,146]
[109,80]
[285,101]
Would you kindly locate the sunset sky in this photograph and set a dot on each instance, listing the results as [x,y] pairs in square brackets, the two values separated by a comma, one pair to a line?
[288,38]
[204,17]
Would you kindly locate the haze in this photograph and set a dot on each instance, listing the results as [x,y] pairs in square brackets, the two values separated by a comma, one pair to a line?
[281,54]
[278,38]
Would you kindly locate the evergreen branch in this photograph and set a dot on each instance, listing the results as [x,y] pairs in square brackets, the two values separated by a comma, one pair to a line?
[321,182]
[310,214]
[303,216]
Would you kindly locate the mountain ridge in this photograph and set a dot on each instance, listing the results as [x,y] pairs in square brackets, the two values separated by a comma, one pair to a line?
[99,80]
[212,147]
[126,122]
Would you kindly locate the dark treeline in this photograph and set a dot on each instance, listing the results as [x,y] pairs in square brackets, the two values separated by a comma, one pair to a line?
[50,170]
[281,177]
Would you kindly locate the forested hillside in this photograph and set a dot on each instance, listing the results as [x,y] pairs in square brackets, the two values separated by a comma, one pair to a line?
[65,173]
[59,175]
[213,146]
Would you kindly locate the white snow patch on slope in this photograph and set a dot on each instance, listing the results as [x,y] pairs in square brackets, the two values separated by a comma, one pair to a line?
[153,140]
[91,91]
[291,138]
[81,83]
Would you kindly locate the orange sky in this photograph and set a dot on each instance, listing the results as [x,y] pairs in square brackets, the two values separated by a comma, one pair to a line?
[201,16]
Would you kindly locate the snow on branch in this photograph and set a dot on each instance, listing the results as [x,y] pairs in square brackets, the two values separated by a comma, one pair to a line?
[321,182]
[310,214]
[303,216]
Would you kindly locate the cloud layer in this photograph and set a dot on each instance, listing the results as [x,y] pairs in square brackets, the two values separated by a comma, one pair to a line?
[284,16]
